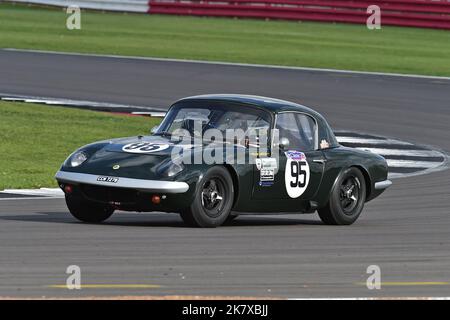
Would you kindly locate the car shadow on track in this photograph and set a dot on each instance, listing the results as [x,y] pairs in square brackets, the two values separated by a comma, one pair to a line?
[158,220]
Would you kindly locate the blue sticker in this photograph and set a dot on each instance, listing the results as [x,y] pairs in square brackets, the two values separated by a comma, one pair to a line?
[295,155]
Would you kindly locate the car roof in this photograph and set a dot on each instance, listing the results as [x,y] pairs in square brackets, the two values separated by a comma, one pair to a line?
[270,104]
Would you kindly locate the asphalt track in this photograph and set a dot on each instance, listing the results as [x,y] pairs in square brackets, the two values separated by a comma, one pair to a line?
[406,231]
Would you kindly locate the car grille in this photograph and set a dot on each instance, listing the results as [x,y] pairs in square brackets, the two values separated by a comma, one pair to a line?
[108,194]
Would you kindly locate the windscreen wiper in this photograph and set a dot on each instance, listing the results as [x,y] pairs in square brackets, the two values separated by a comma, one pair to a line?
[163,134]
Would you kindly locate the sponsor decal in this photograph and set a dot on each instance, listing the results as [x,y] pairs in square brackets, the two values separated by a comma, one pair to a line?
[266,163]
[296,174]
[266,183]
[258,164]
[116,167]
[295,155]
[267,175]
[107,179]
[267,168]
[145,147]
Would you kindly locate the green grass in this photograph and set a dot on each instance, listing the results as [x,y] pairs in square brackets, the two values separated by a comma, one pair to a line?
[36,139]
[341,46]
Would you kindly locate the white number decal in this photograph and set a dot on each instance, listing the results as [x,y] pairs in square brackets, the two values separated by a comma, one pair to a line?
[296,177]
[144,147]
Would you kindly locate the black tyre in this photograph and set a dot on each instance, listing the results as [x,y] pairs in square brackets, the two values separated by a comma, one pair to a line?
[346,200]
[213,200]
[88,211]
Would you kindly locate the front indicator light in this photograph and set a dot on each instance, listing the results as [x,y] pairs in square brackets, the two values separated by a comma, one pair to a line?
[68,189]
[156,199]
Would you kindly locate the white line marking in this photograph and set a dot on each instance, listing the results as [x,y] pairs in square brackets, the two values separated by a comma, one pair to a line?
[342,139]
[30,198]
[376,298]
[151,114]
[71,102]
[253,65]
[412,164]
[397,152]
[46,192]
[37,101]
[11,99]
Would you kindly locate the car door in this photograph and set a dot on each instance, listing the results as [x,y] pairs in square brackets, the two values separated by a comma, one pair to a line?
[297,172]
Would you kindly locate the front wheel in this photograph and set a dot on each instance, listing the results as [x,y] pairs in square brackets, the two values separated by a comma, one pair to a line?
[213,200]
[88,211]
[346,200]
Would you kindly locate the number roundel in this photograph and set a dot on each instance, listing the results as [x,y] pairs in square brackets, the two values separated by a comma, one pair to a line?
[144,147]
[296,174]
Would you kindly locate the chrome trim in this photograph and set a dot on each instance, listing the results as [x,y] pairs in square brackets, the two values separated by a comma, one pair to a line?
[381,185]
[138,184]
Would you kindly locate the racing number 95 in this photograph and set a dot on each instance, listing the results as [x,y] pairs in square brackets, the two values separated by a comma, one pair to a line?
[145,147]
[298,173]
[149,147]
[296,177]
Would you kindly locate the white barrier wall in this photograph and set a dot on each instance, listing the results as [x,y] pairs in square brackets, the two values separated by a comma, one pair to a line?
[108,5]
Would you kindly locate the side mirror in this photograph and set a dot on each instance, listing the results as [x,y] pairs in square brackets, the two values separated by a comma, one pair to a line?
[154,129]
[284,143]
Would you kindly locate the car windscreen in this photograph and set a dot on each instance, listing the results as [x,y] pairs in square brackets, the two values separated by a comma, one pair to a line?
[193,116]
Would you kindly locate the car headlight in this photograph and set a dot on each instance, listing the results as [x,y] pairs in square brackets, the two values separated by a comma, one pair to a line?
[77,159]
[175,168]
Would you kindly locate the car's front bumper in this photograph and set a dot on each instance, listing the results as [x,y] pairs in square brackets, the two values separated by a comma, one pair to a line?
[120,182]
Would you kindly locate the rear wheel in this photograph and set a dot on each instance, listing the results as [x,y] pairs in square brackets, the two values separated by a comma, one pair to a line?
[88,211]
[213,200]
[346,200]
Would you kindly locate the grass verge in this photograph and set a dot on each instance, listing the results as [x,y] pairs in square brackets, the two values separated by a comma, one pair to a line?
[307,44]
[36,139]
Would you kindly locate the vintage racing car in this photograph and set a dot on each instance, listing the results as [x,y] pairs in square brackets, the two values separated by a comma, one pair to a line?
[290,162]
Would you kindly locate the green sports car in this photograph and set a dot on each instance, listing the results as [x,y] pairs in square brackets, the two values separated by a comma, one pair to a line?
[214,157]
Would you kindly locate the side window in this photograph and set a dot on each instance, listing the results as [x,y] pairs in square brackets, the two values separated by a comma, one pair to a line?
[299,129]
[308,130]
